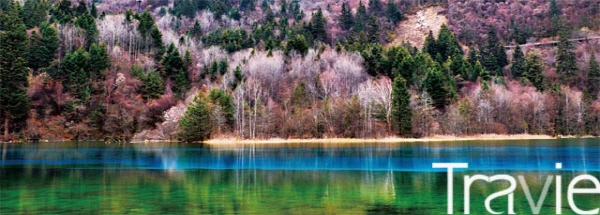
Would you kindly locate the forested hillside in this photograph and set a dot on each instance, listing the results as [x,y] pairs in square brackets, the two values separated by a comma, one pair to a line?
[198,69]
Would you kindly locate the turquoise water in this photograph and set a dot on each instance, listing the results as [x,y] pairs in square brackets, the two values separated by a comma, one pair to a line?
[168,178]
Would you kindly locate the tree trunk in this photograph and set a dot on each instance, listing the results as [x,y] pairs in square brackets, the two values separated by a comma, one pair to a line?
[6,127]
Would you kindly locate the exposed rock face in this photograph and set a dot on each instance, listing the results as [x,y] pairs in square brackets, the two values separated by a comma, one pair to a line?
[167,130]
[416,27]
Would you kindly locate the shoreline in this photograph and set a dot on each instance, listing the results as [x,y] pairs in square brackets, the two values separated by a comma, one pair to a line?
[436,138]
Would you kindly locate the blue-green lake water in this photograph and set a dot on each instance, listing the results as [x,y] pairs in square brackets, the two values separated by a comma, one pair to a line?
[170,178]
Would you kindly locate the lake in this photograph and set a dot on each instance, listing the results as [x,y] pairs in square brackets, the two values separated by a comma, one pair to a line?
[171,178]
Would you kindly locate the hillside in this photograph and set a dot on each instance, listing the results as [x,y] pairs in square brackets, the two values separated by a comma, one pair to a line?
[194,70]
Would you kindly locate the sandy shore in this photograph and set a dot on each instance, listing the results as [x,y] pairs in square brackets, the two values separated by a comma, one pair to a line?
[483,137]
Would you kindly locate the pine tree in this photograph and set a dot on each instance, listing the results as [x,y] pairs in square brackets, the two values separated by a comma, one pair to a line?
[430,45]
[173,68]
[99,60]
[360,18]
[283,9]
[555,18]
[157,44]
[74,73]
[235,14]
[171,62]
[34,13]
[593,79]
[434,85]
[225,102]
[480,71]
[375,8]
[298,44]
[518,63]
[319,23]
[492,53]
[13,71]
[401,111]
[152,85]
[533,71]
[473,56]
[393,14]
[346,19]
[196,31]
[81,8]
[88,23]
[566,66]
[63,13]
[361,12]
[372,29]
[94,10]
[247,5]
[146,23]
[447,45]
[195,124]
[44,49]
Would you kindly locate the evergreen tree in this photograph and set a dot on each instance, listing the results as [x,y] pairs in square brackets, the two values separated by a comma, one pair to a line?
[372,29]
[492,53]
[157,44]
[346,19]
[171,62]
[235,14]
[393,14]
[361,12]
[247,5]
[221,99]
[298,44]
[447,45]
[94,10]
[63,13]
[319,23]
[473,56]
[34,13]
[152,85]
[401,111]
[44,49]
[196,31]
[88,23]
[430,45]
[81,8]
[173,68]
[398,62]
[195,124]
[295,10]
[480,71]
[74,73]
[146,23]
[566,66]
[434,84]
[360,18]
[13,70]
[99,60]
[555,18]
[518,63]
[459,66]
[372,55]
[593,79]
[283,9]
[375,8]
[533,71]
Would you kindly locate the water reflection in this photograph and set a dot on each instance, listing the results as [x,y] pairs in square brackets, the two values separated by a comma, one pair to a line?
[167,178]
[581,155]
